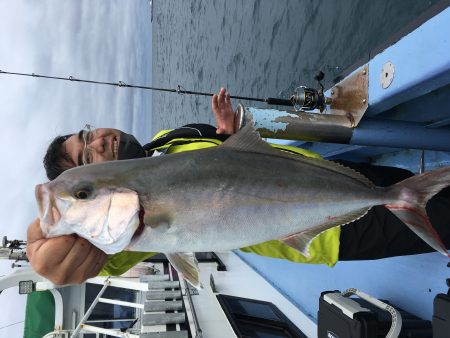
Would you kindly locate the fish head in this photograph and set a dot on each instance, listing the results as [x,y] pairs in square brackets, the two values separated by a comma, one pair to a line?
[105,214]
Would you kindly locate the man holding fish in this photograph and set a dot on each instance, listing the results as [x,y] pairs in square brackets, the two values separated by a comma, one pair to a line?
[374,234]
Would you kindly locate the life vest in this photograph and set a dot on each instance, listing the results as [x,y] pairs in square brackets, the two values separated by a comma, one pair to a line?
[324,249]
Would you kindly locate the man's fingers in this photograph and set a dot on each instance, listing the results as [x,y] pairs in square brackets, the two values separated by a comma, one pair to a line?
[98,261]
[67,259]
[223,112]
[222,94]
[43,251]
[90,266]
[228,100]
[215,103]
[35,238]
[34,232]
[76,265]
[81,252]
[45,261]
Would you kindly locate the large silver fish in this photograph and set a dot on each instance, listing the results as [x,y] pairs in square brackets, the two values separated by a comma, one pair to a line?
[238,194]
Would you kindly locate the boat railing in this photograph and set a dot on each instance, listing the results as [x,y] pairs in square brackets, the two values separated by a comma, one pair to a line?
[198,330]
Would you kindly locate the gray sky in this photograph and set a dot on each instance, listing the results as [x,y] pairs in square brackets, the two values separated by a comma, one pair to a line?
[105,40]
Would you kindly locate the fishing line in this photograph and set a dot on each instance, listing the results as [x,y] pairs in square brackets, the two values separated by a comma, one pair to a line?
[4,327]
[179,90]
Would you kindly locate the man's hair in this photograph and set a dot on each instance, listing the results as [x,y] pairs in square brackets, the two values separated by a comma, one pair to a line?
[56,160]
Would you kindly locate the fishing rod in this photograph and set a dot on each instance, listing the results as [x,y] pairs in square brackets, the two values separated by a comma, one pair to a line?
[178,90]
[304,98]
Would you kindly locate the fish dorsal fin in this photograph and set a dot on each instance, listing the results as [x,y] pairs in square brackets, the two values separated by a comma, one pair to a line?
[248,139]
[187,265]
[302,240]
[339,168]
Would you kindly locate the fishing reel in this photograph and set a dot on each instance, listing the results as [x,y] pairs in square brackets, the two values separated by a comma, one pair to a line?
[305,98]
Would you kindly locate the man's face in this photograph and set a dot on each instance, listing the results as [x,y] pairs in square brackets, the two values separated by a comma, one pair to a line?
[103,146]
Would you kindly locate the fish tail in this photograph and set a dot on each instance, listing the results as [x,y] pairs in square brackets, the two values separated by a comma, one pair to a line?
[413,195]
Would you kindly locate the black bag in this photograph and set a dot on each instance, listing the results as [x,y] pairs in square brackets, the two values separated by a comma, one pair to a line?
[441,317]
[441,314]
[342,317]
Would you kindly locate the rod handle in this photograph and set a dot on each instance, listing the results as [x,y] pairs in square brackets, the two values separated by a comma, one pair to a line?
[278,102]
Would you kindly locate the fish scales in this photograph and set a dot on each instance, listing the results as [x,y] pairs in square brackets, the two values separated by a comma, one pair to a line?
[228,194]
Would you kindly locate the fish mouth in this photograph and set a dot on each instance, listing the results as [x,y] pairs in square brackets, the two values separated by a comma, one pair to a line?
[41,198]
[48,212]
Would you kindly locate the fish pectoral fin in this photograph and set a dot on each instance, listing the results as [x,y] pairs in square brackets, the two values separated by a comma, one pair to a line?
[301,241]
[186,264]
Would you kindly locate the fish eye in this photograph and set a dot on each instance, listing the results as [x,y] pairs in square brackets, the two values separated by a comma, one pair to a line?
[82,194]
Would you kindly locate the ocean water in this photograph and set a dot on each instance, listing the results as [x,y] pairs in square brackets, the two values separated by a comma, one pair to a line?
[260,48]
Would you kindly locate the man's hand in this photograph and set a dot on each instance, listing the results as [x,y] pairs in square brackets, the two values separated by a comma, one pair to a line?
[65,259]
[223,112]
